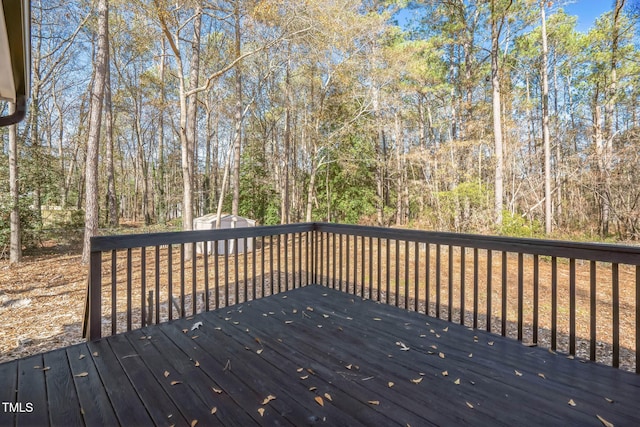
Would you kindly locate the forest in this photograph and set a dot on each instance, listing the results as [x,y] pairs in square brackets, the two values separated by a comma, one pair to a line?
[493,116]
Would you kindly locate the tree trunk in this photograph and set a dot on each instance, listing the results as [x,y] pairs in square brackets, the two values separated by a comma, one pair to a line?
[15,244]
[112,208]
[238,113]
[95,121]
[548,220]
[497,118]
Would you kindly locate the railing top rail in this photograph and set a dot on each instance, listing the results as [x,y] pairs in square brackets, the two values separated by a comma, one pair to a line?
[603,252]
[126,241]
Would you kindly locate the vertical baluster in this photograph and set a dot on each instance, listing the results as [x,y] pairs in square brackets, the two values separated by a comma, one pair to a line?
[427,279]
[504,294]
[262,266]
[388,269]
[572,306]
[245,255]
[489,286]
[254,262]
[638,319]
[226,273]
[370,267]
[554,303]
[615,282]
[182,310]
[279,259]
[169,284]
[463,268]
[438,280]
[475,288]
[114,295]
[236,275]
[271,284]
[520,295]
[321,257]
[205,245]
[536,297]
[450,285]
[333,263]
[194,282]
[379,274]
[347,256]
[362,265]
[340,263]
[143,284]
[157,284]
[406,275]
[416,278]
[216,272]
[293,260]
[397,269]
[355,265]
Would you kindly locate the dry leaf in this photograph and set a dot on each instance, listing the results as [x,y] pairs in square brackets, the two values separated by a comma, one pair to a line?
[288,322]
[46,368]
[417,380]
[490,343]
[95,354]
[541,375]
[304,377]
[176,382]
[261,411]
[193,423]
[81,357]
[518,373]
[445,373]
[259,351]
[214,410]
[184,331]
[374,402]
[328,397]
[469,405]
[457,381]
[313,388]
[81,374]
[309,308]
[194,337]
[319,400]
[325,316]
[349,366]
[604,422]
[37,367]
[571,402]
[390,384]
[268,399]
[197,363]
[470,354]
[441,354]
[608,400]
[216,390]
[166,374]
[377,319]
[446,329]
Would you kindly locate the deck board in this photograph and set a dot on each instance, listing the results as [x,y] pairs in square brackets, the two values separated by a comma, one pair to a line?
[303,345]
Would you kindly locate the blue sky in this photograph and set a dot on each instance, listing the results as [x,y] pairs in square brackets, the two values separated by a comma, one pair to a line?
[587,11]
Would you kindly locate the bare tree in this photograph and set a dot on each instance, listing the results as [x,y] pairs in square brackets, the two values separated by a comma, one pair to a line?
[15,245]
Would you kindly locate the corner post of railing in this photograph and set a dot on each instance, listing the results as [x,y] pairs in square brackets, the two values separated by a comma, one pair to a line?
[94,331]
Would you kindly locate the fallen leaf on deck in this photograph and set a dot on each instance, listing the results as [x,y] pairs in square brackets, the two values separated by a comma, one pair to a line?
[374,402]
[295,311]
[328,397]
[193,423]
[176,382]
[446,329]
[214,410]
[417,380]
[445,373]
[184,331]
[541,375]
[319,400]
[81,374]
[422,335]
[457,381]
[490,343]
[197,363]
[259,351]
[309,308]
[287,322]
[349,366]
[311,371]
[261,411]
[37,367]
[304,377]
[441,354]
[437,335]
[571,402]
[95,354]
[313,388]
[319,326]
[470,354]
[216,390]
[268,399]
[469,405]
[325,316]
[518,373]
[81,357]
[377,319]
[608,400]
[194,337]
[390,384]
[605,422]
[227,318]
[299,369]
[166,374]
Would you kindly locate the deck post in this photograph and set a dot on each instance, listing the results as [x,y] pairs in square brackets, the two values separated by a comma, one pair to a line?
[94,331]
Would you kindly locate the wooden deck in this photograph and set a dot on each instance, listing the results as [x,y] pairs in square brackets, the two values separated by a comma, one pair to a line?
[312,356]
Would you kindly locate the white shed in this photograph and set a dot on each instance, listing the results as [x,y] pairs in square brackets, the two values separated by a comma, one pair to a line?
[208,222]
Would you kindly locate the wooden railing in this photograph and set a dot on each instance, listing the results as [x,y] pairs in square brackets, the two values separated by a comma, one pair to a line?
[581,299]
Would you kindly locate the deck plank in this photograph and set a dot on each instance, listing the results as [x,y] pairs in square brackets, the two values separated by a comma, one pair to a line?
[62,399]
[8,391]
[32,390]
[93,399]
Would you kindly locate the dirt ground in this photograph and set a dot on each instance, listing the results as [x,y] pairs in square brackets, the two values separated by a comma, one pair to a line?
[42,299]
